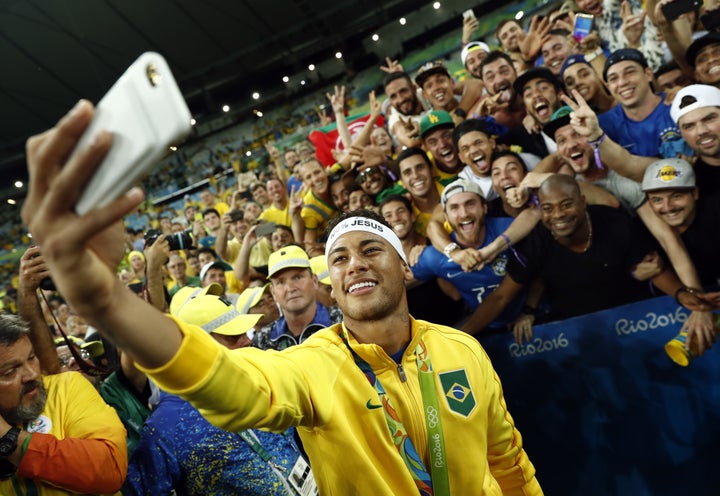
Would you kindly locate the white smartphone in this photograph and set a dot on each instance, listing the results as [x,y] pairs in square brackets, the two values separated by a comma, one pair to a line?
[146,114]
[583,26]
[468,14]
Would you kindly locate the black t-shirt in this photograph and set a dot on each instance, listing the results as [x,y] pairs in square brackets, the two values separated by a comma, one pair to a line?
[702,239]
[427,301]
[529,143]
[579,283]
[707,177]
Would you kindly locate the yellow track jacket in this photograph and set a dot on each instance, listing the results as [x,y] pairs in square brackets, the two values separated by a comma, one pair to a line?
[317,387]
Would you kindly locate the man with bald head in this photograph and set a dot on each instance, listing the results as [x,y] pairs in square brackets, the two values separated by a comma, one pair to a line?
[585,255]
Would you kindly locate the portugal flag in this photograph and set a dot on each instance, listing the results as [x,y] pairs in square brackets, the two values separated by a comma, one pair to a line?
[327,137]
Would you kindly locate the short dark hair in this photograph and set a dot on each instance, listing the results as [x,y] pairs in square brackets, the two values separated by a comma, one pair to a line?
[502,23]
[411,152]
[397,75]
[206,250]
[494,56]
[395,198]
[210,211]
[285,228]
[559,32]
[666,67]
[362,212]
[12,329]
[508,153]
[468,126]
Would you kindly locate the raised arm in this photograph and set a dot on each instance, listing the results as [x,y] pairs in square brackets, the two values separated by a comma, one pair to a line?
[32,270]
[81,251]
[337,100]
[585,122]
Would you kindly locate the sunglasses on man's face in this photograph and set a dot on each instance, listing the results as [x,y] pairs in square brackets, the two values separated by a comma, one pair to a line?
[364,175]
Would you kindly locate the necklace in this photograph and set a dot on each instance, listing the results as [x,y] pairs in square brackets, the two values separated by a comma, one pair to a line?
[590,233]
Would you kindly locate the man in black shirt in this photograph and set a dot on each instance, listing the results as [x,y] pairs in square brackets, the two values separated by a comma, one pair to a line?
[672,192]
[585,255]
[696,111]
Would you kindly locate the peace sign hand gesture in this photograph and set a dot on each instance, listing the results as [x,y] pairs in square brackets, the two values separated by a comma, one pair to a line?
[583,120]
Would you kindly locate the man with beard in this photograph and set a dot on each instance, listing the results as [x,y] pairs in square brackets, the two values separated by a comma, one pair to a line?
[436,132]
[465,209]
[510,34]
[501,103]
[339,192]
[57,435]
[405,108]
[345,389]
[696,110]
[585,256]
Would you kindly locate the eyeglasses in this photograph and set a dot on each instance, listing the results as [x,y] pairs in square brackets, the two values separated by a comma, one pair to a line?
[364,175]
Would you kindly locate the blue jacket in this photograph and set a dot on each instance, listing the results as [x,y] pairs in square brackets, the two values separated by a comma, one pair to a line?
[181,450]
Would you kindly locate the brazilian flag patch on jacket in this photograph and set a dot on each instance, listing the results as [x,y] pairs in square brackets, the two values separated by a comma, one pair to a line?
[458,394]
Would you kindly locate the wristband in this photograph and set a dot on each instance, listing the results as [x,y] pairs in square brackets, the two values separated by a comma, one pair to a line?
[596,149]
[593,55]
[449,248]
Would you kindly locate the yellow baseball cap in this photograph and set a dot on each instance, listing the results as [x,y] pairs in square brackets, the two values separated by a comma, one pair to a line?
[287,257]
[187,293]
[249,298]
[320,269]
[216,314]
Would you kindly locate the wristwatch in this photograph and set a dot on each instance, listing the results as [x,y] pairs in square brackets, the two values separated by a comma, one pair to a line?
[9,442]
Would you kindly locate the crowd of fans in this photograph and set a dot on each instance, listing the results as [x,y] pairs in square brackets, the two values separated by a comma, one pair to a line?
[566,174]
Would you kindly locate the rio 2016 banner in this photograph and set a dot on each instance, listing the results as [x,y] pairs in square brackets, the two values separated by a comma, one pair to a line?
[604,411]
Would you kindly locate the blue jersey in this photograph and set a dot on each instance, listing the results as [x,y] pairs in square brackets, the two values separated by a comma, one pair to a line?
[655,136]
[477,284]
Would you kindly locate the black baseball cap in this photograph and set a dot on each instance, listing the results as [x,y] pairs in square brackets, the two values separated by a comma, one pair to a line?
[536,73]
[624,54]
[697,45]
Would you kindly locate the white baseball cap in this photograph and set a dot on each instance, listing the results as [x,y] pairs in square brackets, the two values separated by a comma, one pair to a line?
[704,95]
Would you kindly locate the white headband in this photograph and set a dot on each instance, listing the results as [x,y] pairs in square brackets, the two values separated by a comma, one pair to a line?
[366,225]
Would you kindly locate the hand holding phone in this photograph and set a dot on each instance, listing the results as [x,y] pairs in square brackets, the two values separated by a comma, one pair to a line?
[468,14]
[676,8]
[583,26]
[146,113]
